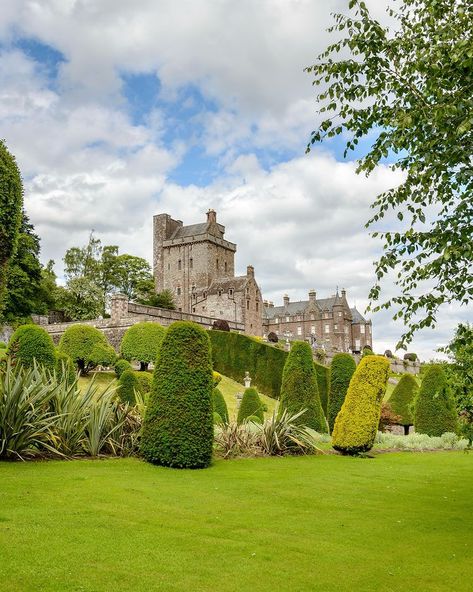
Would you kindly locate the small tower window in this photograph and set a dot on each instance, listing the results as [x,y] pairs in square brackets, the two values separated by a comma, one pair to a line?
[257,307]
[179,291]
[179,264]
[220,292]
[217,263]
[247,305]
[191,263]
[225,265]
[230,292]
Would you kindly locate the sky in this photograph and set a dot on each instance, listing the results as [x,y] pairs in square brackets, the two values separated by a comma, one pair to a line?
[118,110]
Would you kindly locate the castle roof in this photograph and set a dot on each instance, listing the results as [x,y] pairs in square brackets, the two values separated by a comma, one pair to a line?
[196,229]
[237,283]
[302,306]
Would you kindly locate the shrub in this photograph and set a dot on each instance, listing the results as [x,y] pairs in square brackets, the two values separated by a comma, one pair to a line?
[87,346]
[299,389]
[272,337]
[416,441]
[254,419]
[220,325]
[367,351]
[178,425]
[283,434]
[411,357]
[251,404]
[141,342]
[401,400]
[323,383]
[434,409]
[120,367]
[30,344]
[3,345]
[65,369]
[217,377]
[217,419]
[357,423]
[341,370]
[219,405]
[132,382]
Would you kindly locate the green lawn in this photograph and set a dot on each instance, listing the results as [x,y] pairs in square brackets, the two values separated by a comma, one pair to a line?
[399,522]
[229,389]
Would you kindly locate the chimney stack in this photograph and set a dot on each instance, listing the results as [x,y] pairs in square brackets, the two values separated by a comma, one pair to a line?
[250,271]
[344,293]
[211,217]
[312,296]
[286,300]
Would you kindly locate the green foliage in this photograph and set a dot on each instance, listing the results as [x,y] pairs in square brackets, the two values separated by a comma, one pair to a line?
[250,405]
[24,287]
[367,351]
[141,342]
[234,354]
[299,388]
[87,346]
[434,407]
[254,419]
[323,383]
[217,419]
[81,299]
[178,426]
[131,383]
[357,422]
[65,369]
[219,405]
[342,369]
[30,344]
[120,367]
[410,357]
[11,204]
[402,397]
[3,345]
[147,295]
[410,86]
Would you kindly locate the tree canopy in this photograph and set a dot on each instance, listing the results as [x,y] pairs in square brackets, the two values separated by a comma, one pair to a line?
[410,87]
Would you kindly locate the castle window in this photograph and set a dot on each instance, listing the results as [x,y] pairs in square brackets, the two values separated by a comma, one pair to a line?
[225,266]
[312,317]
[247,305]
[257,307]
[217,263]
[312,330]
[193,309]
[276,320]
[179,291]
[287,319]
[335,327]
[340,314]
[299,330]
[230,292]
[327,328]
[362,329]
[191,263]
[179,264]
[169,266]
[205,294]
[220,292]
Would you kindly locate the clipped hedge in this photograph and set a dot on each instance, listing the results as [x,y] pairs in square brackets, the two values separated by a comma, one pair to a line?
[219,404]
[299,389]
[87,346]
[357,422]
[141,342]
[251,405]
[434,408]
[234,354]
[401,399]
[131,381]
[341,370]
[178,425]
[323,382]
[30,343]
[120,367]
[65,367]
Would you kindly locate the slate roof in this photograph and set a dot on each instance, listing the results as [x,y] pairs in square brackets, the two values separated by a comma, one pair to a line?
[194,229]
[357,316]
[224,284]
[301,306]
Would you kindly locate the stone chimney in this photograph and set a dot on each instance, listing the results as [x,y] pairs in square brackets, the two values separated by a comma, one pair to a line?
[271,304]
[212,217]
[312,296]
[286,300]
[250,271]
[344,293]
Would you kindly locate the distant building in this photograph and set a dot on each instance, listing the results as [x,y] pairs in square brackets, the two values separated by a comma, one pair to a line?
[197,264]
[325,322]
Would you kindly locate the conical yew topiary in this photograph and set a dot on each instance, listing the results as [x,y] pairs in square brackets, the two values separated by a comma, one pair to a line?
[178,425]
[251,404]
[401,399]
[357,422]
[341,370]
[219,405]
[299,388]
[434,408]
[30,344]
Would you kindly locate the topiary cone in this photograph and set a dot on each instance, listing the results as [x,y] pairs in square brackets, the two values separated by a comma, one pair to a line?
[341,370]
[357,423]
[178,425]
[434,409]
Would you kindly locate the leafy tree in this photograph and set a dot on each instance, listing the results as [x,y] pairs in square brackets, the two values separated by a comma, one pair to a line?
[357,422]
[178,425]
[147,295]
[31,344]
[11,204]
[130,273]
[142,342]
[299,388]
[87,347]
[411,88]
[341,370]
[24,286]
[434,408]
[81,299]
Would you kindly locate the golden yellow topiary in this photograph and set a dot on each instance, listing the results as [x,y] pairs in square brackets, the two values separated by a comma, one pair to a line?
[357,423]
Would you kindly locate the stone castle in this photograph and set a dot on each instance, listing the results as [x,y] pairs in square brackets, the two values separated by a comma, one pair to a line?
[197,264]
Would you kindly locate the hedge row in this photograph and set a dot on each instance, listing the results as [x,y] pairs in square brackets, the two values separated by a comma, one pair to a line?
[234,354]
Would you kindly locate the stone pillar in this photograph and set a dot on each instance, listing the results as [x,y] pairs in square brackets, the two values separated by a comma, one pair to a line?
[119,307]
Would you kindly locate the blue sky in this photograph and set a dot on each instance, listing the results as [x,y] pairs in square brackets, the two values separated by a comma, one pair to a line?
[117,111]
